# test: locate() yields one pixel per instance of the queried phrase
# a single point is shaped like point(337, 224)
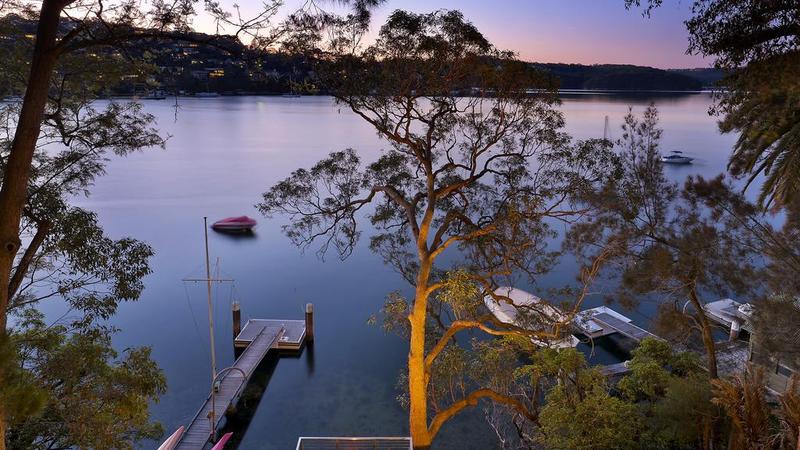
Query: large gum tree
point(476, 167)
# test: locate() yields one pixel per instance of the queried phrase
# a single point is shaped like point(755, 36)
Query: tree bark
point(13, 192)
point(417, 373)
point(708, 337)
point(472, 400)
point(17, 173)
point(27, 258)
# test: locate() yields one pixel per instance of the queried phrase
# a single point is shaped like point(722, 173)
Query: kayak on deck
point(222, 441)
point(172, 441)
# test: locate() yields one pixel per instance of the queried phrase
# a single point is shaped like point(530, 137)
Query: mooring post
point(309, 322)
point(237, 318)
point(736, 327)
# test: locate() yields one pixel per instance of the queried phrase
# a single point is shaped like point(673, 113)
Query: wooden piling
point(309, 322)
point(736, 327)
point(237, 318)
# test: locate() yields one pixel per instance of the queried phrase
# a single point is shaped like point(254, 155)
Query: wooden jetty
point(624, 328)
point(257, 338)
point(615, 370)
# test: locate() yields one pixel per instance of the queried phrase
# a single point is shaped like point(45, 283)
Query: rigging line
point(194, 272)
point(220, 273)
point(196, 326)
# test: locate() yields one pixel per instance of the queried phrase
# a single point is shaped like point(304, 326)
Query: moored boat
point(676, 158)
point(544, 316)
point(240, 223)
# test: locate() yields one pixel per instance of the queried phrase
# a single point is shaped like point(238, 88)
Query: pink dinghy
point(223, 440)
point(241, 223)
point(173, 440)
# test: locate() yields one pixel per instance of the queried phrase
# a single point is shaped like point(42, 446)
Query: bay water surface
point(221, 155)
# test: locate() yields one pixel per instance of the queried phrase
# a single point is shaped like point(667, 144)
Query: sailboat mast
point(211, 335)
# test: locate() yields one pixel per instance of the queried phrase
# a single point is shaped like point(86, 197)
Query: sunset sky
point(568, 31)
point(574, 31)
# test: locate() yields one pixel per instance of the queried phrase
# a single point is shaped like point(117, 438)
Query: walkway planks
point(628, 329)
point(232, 383)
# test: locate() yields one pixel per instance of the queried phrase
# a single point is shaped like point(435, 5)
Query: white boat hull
point(507, 313)
point(173, 440)
point(677, 161)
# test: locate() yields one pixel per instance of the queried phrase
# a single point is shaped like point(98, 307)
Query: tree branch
point(472, 400)
point(42, 231)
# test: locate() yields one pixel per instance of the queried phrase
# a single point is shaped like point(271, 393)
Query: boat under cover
point(240, 223)
point(509, 313)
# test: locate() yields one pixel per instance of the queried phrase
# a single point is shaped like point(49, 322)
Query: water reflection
point(242, 147)
point(239, 420)
point(309, 351)
point(237, 235)
point(630, 97)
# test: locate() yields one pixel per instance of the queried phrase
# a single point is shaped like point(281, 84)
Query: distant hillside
point(190, 68)
point(620, 77)
point(709, 77)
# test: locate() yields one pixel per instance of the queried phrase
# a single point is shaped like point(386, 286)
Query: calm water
point(223, 152)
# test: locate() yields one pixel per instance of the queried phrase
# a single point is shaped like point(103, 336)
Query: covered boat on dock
point(530, 312)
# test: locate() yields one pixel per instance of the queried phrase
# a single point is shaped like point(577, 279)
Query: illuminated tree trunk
point(417, 385)
point(417, 376)
point(17, 171)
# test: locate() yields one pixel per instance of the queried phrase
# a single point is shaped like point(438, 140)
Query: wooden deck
point(291, 339)
point(232, 383)
point(627, 329)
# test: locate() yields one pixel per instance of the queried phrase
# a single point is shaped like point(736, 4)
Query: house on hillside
point(737, 317)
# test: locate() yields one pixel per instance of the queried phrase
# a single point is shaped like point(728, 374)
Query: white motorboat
point(533, 305)
point(676, 157)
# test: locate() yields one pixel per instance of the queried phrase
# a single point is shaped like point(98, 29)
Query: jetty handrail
point(247, 375)
point(267, 337)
